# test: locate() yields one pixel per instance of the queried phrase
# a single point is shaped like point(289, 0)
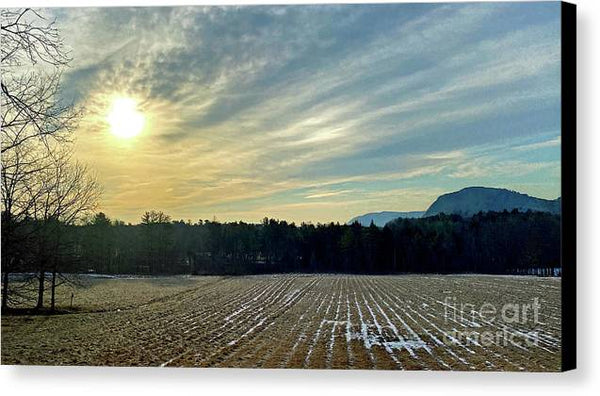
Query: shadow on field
point(41, 312)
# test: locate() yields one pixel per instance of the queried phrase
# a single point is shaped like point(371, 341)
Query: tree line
point(493, 243)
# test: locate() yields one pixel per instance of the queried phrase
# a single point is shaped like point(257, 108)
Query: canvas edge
point(568, 186)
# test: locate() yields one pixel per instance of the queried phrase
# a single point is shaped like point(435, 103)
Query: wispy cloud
point(258, 108)
point(539, 145)
point(328, 194)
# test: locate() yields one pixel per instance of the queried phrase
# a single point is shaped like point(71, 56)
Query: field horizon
point(294, 321)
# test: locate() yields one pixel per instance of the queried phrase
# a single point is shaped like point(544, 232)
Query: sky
point(315, 113)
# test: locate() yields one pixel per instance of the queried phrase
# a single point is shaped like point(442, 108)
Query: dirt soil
point(298, 321)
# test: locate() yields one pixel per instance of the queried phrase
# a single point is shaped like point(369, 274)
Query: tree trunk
point(4, 290)
point(52, 304)
point(41, 280)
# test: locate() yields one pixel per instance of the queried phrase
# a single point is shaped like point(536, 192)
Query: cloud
point(487, 167)
point(535, 146)
point(327, 194)
point(249, 106)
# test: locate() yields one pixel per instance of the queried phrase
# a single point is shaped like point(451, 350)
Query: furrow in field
point(276, 338)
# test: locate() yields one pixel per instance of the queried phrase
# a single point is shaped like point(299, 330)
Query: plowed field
point(299, 321)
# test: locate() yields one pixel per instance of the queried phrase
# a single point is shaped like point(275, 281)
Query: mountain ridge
point(472, 200)
point(380, 219)
point(467, 202)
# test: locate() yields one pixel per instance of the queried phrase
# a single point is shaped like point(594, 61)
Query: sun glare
point(125, 120)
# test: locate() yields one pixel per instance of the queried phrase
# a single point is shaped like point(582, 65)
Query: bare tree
point(38, 183)
point(28, 37)
point(31, 108)
point(66, 194)
point(21, 167)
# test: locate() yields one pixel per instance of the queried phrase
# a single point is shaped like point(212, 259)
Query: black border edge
point(568, 185)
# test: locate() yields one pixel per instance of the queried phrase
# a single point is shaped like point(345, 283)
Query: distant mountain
point(472, 200)
point(380, 219)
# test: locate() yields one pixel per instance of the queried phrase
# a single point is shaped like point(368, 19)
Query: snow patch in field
point(371, 338)
point(406, 344)
point(335, 322)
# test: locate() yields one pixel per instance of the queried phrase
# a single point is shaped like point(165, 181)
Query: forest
point(495, 243)
point(489, 243)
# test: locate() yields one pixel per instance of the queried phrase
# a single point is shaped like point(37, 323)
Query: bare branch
point(27, 37)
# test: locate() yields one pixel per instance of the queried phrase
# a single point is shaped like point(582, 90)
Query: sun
point(124, 118)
